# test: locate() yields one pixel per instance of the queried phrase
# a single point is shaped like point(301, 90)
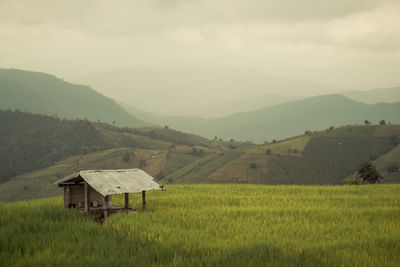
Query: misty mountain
point(197, 91)
point(386, 95)
point(289, 119)
point(46, 94)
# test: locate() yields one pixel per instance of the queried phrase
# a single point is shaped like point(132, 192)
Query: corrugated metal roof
point(108, 182)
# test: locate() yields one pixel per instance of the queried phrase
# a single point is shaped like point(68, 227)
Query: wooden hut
point(92, 190)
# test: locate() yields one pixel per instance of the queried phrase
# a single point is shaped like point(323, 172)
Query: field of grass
point(213, 225)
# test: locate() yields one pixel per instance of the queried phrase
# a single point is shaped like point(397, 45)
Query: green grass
point(213, 225)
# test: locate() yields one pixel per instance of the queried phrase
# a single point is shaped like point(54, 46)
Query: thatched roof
point(109, 182)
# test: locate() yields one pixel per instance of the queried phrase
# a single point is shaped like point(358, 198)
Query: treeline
point(29, 142)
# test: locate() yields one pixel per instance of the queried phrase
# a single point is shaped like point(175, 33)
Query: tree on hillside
point(126, 157)
point(382, 122)
point(367, 122)
point(368, 173)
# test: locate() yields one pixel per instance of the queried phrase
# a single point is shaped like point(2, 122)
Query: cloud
point(310, 39)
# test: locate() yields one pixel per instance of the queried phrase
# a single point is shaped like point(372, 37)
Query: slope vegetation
point(36, 150)
point(325, 157)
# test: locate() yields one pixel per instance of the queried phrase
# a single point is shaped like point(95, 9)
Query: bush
point(253, 165)
point(354, 181)
point(126, 157)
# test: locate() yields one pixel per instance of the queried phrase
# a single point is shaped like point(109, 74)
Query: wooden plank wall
point(77, 196)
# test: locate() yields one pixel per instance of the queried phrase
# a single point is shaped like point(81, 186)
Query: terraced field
point(213, 225)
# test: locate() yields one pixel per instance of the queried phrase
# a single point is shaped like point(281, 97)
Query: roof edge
point(72, 176)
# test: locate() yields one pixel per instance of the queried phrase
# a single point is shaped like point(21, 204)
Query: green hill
point(289, 119)
point(42, 149)
point(46, 94)
point(325, 157)
point(36, 150)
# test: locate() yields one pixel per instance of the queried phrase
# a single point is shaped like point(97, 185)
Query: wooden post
point(144, 199)
point(68, 197)
point(87, 188)
point(109, 201)
point(126, 201)
point(105, 207)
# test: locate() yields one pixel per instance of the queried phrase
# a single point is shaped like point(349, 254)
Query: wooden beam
point(87, 204)
point(144, 199)
point(126, 201)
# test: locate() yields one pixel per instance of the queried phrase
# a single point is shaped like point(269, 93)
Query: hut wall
point(76, 197)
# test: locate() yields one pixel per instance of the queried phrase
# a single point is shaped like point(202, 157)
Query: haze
point(149, 52)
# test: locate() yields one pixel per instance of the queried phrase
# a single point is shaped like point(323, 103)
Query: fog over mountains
point(200, 91)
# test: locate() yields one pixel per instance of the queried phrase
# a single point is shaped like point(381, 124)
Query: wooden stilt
point(126, 201)
point(87, 204)
point(105, 207)
point(67, 196)
point(144, 199)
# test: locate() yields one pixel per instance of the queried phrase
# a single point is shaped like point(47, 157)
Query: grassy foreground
point(217, 225)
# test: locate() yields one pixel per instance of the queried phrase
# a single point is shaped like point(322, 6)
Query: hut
point(92, 190)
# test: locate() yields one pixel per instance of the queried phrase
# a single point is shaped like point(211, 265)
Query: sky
point(351, 44)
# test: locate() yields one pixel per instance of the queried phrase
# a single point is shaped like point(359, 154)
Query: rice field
point(213, 225)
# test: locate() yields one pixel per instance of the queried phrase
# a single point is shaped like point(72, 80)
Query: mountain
point(46, 94)
point(325, 157)
point(289, 119)
point(386, 95)
point(228, 107)
point(177, 91)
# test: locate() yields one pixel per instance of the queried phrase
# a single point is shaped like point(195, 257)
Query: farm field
point(213, 225)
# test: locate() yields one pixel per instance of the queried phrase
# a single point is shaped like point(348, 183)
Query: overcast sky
point(346, 43)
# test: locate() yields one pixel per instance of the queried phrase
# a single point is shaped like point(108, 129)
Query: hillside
point(36, 150)
point(373, 96)
point(289, 119)
point(326, 157)
point(212, 225)
point(46, 94)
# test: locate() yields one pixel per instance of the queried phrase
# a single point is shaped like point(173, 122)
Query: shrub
point(354, 181)
point(368, 173)
point(126, 157)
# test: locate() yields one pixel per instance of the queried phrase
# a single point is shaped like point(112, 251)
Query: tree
point(368, 173)
point(126, 157)
point(367, 122)
point(382, 122)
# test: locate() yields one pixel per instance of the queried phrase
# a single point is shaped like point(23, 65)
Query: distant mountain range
point(205, 92)
point(288, 119)
point(271, 116)
point(380, 95)
point(46, 94)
